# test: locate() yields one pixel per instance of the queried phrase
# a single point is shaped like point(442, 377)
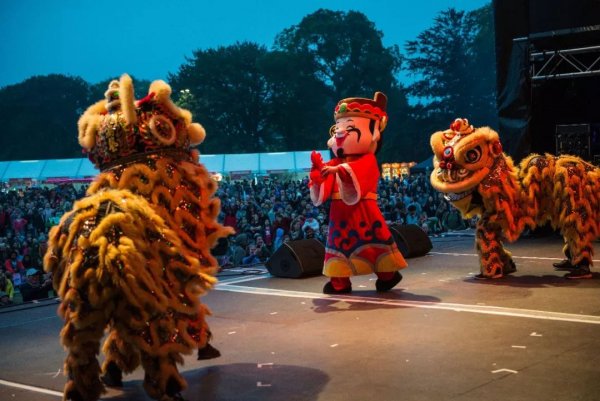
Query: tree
point(228, 91)
point(338, 55)
point(39, 117)
point(454, 69)
point(453, 66)
point(346, 51)
point(298, 112)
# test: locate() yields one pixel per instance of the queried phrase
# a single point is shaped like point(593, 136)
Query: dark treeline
point(256, 99)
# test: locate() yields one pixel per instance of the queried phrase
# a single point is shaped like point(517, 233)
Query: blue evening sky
point(97, 40)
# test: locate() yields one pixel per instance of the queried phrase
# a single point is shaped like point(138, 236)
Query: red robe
point(359, 240)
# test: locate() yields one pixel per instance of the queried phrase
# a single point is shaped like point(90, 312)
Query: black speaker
point(411, 240)
point(296, 259)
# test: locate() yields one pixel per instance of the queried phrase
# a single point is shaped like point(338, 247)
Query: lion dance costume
point(480, 180)
point(359, 240)
point(133, 256)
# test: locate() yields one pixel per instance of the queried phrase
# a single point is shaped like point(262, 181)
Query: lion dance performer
point(480, 180)
point(133, 256)
point(359, 241)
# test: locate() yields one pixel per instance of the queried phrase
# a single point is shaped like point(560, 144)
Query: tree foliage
point(346, 51)
point(226, 94)
point(452, 66)
point(39, 117)
point(454, 69)
point(339, 54)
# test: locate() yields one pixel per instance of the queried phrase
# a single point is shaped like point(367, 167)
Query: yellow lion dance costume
point(480, 180)
point(134, 256)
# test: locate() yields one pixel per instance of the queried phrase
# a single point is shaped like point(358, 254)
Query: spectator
point(310, 223)
point(454, 220)
point(36, 285)
point(278, 239)
point(4, 299)
point(238, 251)
point(13, 264)
point(296, 232)
point(412, 217)
point(267, 232)
point(252, 255)
point(263, 251)
point(6, 287)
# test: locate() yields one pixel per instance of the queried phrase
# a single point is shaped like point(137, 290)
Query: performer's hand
point(317, 160)
point(315, 177)
point(327, 170)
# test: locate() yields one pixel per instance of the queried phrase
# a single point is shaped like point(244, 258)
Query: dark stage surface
point(440, 335)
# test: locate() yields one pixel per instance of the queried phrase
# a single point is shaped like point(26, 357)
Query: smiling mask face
point(352, 136)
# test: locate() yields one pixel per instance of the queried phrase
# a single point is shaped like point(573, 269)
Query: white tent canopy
point(242, 163)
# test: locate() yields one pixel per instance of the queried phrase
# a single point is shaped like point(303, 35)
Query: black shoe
point(511, 268)
point(564, 264)
point(113, 377)
point(328, 289)
point(386, 285)
point(579, 272)
point(173, 389)
point(73, 395)
point(208, 352)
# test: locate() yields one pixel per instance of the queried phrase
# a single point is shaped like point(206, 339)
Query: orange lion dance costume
point(480, 180)
point(134, 256)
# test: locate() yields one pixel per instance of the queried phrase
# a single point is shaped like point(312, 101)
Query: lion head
point(463, 157)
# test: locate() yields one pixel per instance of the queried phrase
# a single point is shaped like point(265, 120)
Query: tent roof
point(426, 164)
point(253, 163)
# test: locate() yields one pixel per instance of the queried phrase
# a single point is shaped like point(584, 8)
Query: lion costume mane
point(134, 255)
point(480, 180)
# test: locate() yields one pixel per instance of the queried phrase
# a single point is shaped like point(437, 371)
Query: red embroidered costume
point(359, 241)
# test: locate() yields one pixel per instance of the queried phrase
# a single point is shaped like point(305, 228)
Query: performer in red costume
point(359, 241)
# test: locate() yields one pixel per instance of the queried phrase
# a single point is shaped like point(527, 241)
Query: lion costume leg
point(81, 335)
point(162, 380)
point(494, 260)
point(121, 357)
point(580, 252)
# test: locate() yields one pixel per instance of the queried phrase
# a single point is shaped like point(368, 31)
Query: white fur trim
point(317, 198)
point(196, 133)
point(127, 99)
point(88, 124)
point(162, 95)
point(350, 194)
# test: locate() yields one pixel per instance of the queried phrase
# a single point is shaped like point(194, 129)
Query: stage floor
point(441, 335)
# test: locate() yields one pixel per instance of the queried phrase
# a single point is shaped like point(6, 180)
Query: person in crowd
point(296, 232)
point(252, 255)
point(6, 286)
point(267, 232)
point(412, 217)
point(263, 250)
point(238, 249)
point(36, 285)
point(278, 241)
point(454, 220)
point(13, 264)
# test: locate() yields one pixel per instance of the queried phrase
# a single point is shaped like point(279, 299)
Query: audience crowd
point(26, 215)
point(268, 212)
point(264, 212)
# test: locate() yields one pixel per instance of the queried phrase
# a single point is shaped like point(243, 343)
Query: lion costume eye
point(473, 155)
